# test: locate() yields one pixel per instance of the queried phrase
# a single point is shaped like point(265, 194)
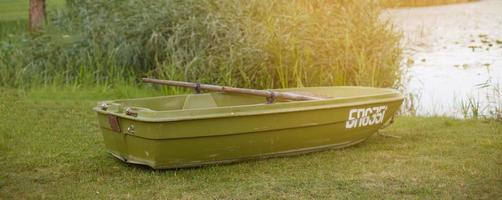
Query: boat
point(192, 130)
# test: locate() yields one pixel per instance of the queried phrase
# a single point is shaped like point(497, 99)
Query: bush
point(246, 43)
point(418, 3)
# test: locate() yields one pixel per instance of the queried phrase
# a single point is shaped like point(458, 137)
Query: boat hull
point(240, 135)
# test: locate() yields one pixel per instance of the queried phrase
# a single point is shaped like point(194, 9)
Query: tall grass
point(470, 108)
point(9, 29)
point(13, 10)
point(487, 108)
point(495, 102)
point(418, 3)
point(246, 43)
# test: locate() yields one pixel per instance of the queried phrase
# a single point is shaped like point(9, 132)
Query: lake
point(452, 54)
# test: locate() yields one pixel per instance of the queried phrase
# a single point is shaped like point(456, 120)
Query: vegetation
point(14, 16)
point(417, 3)
point(13, 10)
point(486, 108)
point(259, 44)
point(50, 147)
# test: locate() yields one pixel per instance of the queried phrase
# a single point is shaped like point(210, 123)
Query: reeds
point(245, 43)
point(418, 3)
point(487, 108)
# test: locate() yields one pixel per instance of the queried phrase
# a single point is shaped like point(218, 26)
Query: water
point(452, 53)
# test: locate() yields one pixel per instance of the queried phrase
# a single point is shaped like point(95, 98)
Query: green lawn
point(50, 147)
point(14, 16)
point(18, 9)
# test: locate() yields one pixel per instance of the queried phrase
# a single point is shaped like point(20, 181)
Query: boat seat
point(199, 101)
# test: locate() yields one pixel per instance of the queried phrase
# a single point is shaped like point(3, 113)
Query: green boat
point(199, 129)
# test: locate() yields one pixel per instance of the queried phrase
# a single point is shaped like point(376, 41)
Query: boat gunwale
point(245, 113)
point(227, 110)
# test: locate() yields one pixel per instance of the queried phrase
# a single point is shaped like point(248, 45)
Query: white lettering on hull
point(361, 117)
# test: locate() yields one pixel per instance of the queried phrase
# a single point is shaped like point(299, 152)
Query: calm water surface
point(452, 53)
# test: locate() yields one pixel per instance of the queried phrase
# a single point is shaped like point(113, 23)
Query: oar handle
point(264, 93)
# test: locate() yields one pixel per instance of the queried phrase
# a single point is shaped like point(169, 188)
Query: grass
point(470, 108)
point(419, 3)
point(488, 107)
point(14, 19)
point(258, 44)
point(50, 147)
point(13, 10)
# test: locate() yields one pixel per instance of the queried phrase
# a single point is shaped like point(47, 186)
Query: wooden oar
point(271, 95)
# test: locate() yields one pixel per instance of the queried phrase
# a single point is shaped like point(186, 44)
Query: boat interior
point(214, 100)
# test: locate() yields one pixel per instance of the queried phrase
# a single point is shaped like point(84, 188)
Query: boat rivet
point(104, 106)
point(271, 98)
point(131, 129)
point(131, 112)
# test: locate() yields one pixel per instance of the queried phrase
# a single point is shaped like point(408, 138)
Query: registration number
point(361, 117)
